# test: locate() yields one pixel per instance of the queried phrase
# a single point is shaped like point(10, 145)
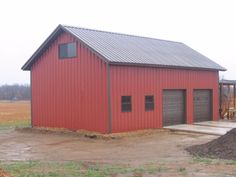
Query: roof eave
point(165, 66)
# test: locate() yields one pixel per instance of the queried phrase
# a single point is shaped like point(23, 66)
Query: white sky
point(208, 26)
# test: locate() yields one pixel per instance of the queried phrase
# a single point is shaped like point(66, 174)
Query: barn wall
point(140, 81)
point(70, 93)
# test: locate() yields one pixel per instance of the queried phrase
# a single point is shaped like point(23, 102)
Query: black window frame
point(126, 104)
point(68, 51)
point(149, 102)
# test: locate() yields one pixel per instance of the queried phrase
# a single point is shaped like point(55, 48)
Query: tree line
point(14, 92)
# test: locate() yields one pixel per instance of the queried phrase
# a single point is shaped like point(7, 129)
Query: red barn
point(109, 82)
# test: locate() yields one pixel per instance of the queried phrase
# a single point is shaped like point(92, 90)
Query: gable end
point(54, 35)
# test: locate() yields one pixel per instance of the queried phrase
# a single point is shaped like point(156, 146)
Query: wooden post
point(234, 95)
point(228, 101)
point(221, 109)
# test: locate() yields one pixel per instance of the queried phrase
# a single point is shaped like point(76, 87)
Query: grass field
point(76, 169)
point(88, 169)
point(14, 114)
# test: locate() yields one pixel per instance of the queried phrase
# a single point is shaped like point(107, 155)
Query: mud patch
point(90, 134)
point(4, 174)
point(223, 147)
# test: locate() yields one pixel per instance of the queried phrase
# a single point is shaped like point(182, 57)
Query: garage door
point(173, 107)
point(202, 105)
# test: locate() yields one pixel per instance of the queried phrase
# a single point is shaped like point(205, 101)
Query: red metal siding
point(70, 93)
point(73, 93)
point(140, 81)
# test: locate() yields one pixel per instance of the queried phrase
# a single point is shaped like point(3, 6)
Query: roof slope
point(135, 50)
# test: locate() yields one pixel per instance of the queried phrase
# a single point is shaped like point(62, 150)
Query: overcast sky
point(208, 26)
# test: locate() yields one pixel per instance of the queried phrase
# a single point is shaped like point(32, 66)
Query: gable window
point(126, 104)
point(68, 50)
point(149, 103)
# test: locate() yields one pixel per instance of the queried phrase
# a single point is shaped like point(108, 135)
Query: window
point(68, 50)
point(149, 103)
point(126, 104)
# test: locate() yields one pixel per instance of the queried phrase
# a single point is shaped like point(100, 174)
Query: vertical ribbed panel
point(73, 93)
point(70, 93)
point(140, 81)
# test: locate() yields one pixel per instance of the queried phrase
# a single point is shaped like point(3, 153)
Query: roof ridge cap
point(121, 34)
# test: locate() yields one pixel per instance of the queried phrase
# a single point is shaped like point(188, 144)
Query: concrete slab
point(223, 124)
point(211, 130)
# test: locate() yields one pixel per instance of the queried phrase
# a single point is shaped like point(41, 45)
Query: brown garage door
point(202, 105)
point(173, 107)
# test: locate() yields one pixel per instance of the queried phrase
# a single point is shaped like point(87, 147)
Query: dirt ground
point(223, 147)
point(160, 147)
point(157, 148)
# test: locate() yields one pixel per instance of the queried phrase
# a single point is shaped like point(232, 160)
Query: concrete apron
point(209, 127)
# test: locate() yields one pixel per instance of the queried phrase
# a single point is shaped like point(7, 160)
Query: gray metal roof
point(128, 49)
